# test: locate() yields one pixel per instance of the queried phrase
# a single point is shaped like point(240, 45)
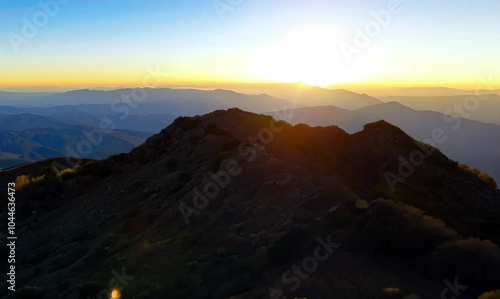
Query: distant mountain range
point(474, 143)
point(189, 101)
point(484, 108)
point(468, 141)
point(92, 115)
point(27, 138)
point(174, 101)
point(156, 108)
point(305, 95)
point(381, 92)
point(258, 99)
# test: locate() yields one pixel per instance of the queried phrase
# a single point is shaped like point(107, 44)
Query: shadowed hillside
point(225, 204)
point(472, 142)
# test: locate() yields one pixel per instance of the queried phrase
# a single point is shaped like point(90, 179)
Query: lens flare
point(116, 294)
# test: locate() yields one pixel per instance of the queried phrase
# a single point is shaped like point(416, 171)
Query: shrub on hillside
point(476, 262)
point(490, 295)
point(24, 180)
point(481, 175)
point(400, 231)
point(488, 179)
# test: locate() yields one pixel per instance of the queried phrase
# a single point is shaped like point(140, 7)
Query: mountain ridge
point(459, 133)
point(302, 184)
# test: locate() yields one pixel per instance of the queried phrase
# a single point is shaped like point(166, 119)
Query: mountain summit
point(227, 204)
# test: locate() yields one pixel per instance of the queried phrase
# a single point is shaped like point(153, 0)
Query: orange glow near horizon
point(428, 46)
point(225, 84)
point(134, 80)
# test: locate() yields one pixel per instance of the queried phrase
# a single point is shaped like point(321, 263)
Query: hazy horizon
point(253, 88)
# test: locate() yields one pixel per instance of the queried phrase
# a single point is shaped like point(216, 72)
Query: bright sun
point(307, 55)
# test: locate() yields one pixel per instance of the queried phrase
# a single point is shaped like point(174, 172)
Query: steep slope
point(225, 204)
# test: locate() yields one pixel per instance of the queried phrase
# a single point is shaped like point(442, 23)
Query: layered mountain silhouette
point(481, 107)
point(152, 100)
point(190, 102)
point(139, 110)
point(473, 143)
point(383, 92)
point(305, 95)
point(92, 115)
point(229, 204)
point(27, 138)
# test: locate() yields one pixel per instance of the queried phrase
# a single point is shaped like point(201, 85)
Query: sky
point(89, 43)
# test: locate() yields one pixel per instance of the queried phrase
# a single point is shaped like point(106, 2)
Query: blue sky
point(112, 42)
